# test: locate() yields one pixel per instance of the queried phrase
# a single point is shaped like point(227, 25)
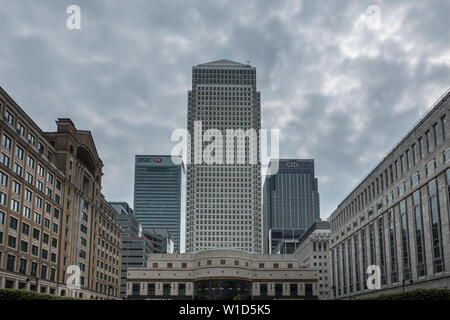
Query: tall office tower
point(223, 195)
point(158, 194)
point(290, 204)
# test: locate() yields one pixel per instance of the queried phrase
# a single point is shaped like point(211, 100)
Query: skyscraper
point(158, 194)
point(291, 204)
point(223, 196)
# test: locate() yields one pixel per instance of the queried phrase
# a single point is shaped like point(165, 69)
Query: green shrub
point(417, 294)
point(20, 294)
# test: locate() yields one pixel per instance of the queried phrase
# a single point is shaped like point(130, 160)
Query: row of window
point(433, 137)
point(21, 266)
point(22, 131)
point(363, 245)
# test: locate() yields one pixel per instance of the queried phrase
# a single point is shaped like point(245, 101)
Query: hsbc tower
point(158, 194)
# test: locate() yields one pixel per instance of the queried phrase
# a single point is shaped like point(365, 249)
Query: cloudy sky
point(341, 87)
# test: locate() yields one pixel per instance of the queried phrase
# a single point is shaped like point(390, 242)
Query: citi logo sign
point(151, 160)
point(292, 164)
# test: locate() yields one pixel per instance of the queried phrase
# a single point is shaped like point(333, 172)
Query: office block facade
point(313, 252)
point(135, 246)
point(223, 207)
point(290, 203)
point(161, 238)
point(397, 218)
point(52, 212)
point(158, 193)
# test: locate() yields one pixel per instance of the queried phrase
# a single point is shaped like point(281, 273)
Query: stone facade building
point(52, 212)
point(313, 252)
point(397, 218)
point(221, 275)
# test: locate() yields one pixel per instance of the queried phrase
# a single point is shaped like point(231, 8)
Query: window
point(446, 156)
point(47, 223)
point(421, 147)
point(31, 138)
point(37, 218)
point(444, 127)
point(26, 212)
point(3, 179)
point(10, 262)
point(2, 217)
point(28, 195)
point(41, 170)
point(12, 242)
point(431, 167)
point(405, 240)
point(5, 160)
point(34, 269)
point(38, 202)
point(436, 234)
point(436, 135)
point(15, 205)
point(428, 137)
point(23, 266)
point(21, 129)
point(24, 246)
point(415, 179)
point(13, 223)
point(414, 152)
point(25, 228)
point(419, 234)
point(401, 189)
point(2, 199)
point(18, 169)
point(19, 153)
point(16, 187)
point(36, 234)
point(30, 178)
point(30, 162)
point(6, 142)
point(408, 159)
point(9, 118)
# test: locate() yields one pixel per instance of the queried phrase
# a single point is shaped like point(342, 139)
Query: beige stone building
point(313, 252)
point(52, 212)
point(221, 275)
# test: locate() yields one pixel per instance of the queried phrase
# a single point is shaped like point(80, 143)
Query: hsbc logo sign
point(150, 160)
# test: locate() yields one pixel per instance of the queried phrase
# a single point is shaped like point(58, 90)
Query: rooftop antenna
point(248, 62)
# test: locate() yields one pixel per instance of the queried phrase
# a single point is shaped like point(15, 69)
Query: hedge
point(20, 294)
point(417, 294)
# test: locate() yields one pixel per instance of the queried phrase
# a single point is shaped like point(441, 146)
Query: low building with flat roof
point(222, 275)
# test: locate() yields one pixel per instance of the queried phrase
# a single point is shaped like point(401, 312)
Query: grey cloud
point(339, 93)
